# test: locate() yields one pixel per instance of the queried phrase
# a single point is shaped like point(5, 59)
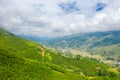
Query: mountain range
point(104, 44)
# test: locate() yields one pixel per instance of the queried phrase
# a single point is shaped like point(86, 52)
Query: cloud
point(59, 17)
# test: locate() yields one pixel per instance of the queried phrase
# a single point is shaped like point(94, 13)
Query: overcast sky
point(59, 17)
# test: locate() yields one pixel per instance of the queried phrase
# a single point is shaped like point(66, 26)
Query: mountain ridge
point(112, 35)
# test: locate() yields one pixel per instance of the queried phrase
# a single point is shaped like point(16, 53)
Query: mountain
point(106, 44)
point(89, 40)
point(36, 39)
point(22, 59)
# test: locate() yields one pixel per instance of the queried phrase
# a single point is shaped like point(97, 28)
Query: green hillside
point(21, 59)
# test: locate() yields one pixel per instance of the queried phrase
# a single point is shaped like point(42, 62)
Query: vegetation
point(21, 59)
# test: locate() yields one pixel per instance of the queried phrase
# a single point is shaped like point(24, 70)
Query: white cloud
point(47, 18)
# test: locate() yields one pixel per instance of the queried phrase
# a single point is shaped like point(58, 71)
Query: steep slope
point(22, 59)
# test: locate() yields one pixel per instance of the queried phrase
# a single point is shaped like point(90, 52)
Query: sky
point(55, 18)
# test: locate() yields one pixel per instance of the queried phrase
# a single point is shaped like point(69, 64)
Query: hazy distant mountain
point(88, 40)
